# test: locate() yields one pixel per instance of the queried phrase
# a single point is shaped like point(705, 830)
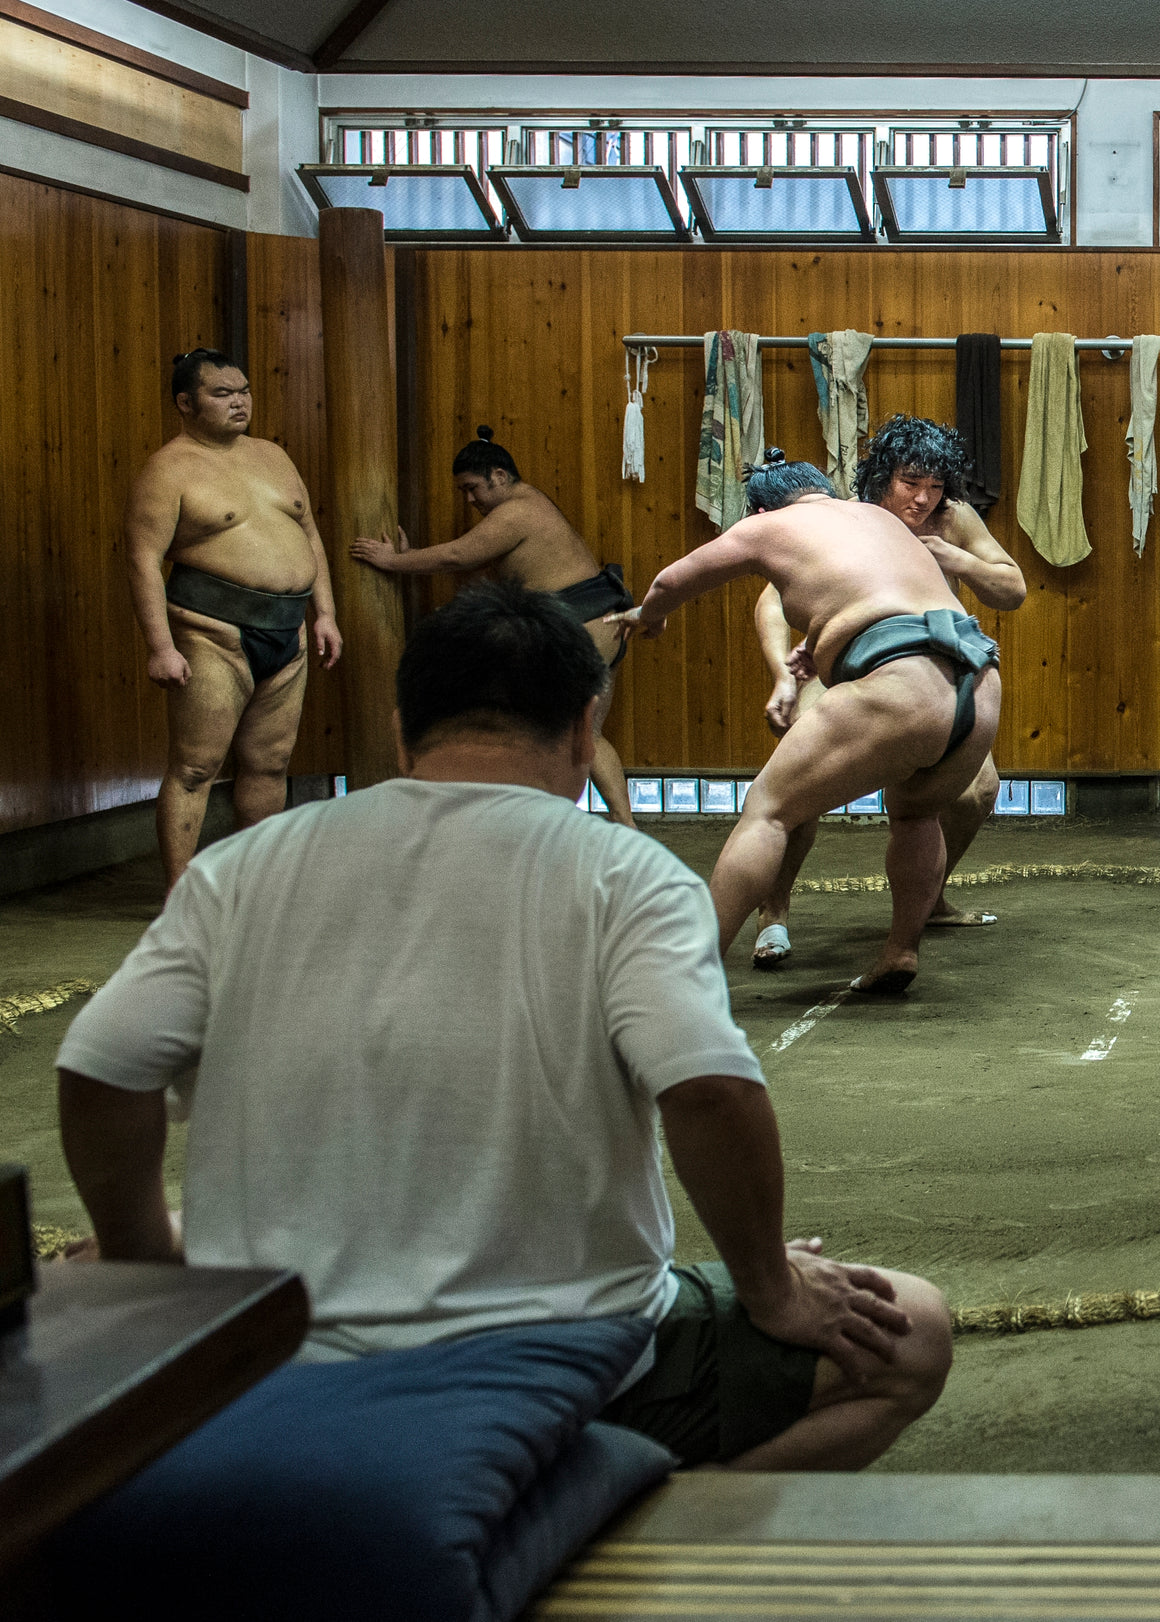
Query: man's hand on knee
point(843, 1311)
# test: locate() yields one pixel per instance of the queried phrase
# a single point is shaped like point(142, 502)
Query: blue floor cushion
point(441, 1484)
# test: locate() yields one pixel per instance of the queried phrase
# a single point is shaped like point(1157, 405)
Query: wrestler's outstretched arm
point(492, 538)
point(151, 517)
point(735, 553)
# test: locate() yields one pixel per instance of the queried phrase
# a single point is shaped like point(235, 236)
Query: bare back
point(840, 566)
point(547, 553)
point(236, 512)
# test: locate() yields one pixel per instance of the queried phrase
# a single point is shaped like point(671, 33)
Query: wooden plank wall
point(285, 325)
point(529, 341)
point(95, 299)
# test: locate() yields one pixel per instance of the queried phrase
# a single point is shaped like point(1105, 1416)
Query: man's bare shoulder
point(182, 456)
point(960, 525)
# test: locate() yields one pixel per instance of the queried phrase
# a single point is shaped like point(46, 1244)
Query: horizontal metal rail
point(644, 340)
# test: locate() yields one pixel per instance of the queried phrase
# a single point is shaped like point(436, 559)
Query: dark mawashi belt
point(220, 599)
point(942, 632)
point(603, 593)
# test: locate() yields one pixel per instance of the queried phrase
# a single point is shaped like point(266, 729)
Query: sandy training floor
point(995, 1129)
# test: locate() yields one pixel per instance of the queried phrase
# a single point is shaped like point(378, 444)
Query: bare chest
point(216, 500)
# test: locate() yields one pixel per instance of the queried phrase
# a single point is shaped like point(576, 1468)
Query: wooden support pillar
point(358, 344)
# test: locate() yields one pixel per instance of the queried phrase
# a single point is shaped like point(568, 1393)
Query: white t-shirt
point(432, 1020)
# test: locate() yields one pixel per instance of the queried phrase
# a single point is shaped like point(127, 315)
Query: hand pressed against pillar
point(225, 639)
point(522, 535)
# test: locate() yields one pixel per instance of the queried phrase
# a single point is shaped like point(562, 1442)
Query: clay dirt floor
point(959, 1132)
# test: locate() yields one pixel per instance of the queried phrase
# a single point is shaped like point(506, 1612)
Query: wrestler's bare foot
point(892, 973)
point(945, 917)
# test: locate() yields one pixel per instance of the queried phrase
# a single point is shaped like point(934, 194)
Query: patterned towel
point(732, 424)
point(839, 360)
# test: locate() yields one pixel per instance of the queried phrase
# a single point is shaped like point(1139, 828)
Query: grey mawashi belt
point(220, 599)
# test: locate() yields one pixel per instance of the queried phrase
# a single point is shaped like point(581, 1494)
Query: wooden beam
point(115, 50)
point(357, 20)
point(75, 130)
point(358, 360)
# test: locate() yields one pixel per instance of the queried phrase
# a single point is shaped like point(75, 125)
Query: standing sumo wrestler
point(226, 633)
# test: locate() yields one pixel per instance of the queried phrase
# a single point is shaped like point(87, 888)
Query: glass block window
point(682, 794)
point(1048, 798)
point(718, 797)
point(644, 795)
point(868, 805)
point(1013, 798)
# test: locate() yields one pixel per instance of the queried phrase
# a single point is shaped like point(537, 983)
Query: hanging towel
point(977, 414)
point(632, 454)
point(732, 424)
point(1050, 504)
point(839, 360)
point(1141, 437)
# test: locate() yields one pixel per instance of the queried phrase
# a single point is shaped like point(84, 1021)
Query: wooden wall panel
point(285, 322)
point(95, 298)
point(528, 340)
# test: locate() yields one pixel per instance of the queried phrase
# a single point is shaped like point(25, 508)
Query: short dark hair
point(187, 369)
point(778, 483)
point(498, 656)
point(484, 456)
point(913, 444)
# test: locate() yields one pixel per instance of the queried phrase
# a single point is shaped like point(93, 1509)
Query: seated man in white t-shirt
point(434, 1023)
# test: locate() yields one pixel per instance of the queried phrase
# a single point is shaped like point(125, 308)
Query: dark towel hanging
point(977, 414)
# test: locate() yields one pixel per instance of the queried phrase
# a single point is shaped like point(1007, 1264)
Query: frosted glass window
point(607, 204)
point(718, 796)
point(1009, 205)
point(797, 205)
point(418, 202)
point(595, 799)
point(644, 794)
point(1048, 799)
point(1013, 798)
point(868, 805)
point(681, 794)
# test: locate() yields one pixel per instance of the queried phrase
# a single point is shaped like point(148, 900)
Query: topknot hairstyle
point(187, 369)
point(778, 483)
point(913, 445)
point(484, 457)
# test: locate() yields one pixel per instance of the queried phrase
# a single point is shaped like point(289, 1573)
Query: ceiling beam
point(357, 20)
point(245, 39)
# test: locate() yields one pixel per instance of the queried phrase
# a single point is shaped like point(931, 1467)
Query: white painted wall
point(279, 131)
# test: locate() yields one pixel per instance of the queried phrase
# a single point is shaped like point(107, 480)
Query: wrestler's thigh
point(934, 788)
point(856, 738)
point(204, 714)
point(608, 641)
point(267, 731)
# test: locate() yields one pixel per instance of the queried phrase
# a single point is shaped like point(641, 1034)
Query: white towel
point(632, 452)
point(1141, 436)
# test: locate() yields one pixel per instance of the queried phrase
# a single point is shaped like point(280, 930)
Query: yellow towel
point(1050, 505)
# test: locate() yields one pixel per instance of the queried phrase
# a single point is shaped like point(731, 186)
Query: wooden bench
point(884, 1547)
